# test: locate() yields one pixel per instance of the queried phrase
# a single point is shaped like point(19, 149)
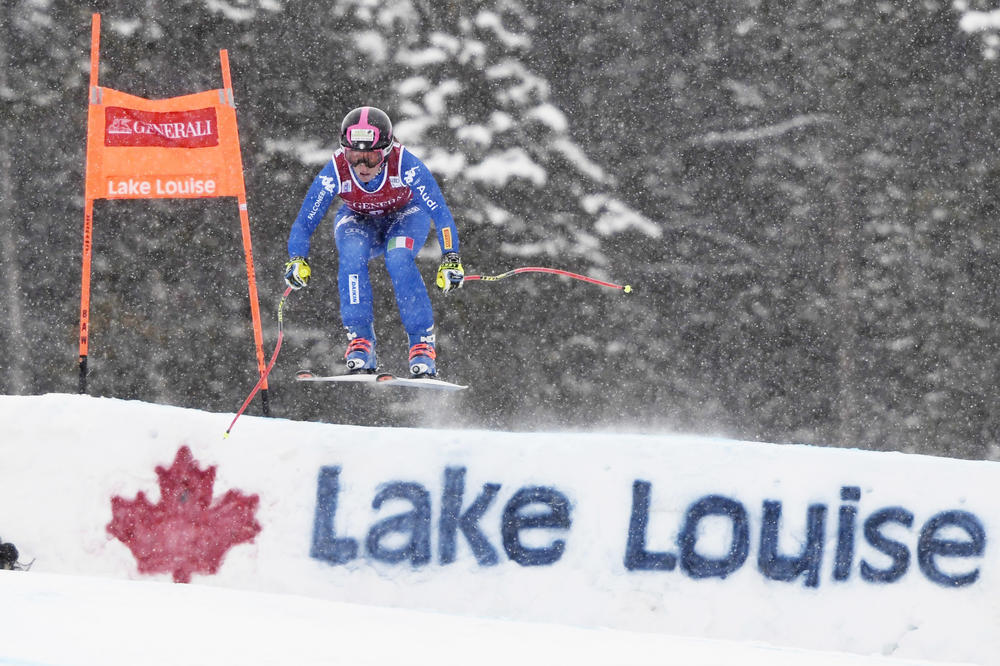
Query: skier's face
point(368, 158)
point(367, 163)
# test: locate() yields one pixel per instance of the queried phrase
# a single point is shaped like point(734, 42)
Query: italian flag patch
point(400, 242)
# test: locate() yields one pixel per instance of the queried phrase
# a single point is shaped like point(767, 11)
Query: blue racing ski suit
point(390, 215)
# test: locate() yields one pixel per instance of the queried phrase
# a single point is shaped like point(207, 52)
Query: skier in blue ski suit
point(389, 198)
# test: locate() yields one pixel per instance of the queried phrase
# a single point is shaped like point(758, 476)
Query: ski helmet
point(366, 128)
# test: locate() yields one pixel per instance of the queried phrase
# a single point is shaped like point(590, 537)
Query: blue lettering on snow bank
point(415, 523)
point(943, 544)
point(636, 555)
point(530, 508)
point(777, 565)
point(516, 519)
point(845, 533)
point(452, 519)
point(896, 551)
point(931, 545)
point(698, 566)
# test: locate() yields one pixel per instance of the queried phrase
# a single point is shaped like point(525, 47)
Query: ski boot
point(360, 354)
point(422, 355)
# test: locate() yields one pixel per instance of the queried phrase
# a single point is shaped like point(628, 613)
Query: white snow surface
point(58, 620)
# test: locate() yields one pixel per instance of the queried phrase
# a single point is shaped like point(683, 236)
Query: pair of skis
point(382, 379)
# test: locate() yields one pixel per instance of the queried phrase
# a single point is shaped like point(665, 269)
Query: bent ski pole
point(267, 371)
point(625, 288)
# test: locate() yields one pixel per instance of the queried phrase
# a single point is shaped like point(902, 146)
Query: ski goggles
point(370, 158)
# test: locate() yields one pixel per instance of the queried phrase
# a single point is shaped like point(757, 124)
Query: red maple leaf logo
point(183, 533)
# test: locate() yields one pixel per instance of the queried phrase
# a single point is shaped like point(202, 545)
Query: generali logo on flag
point(197, 128)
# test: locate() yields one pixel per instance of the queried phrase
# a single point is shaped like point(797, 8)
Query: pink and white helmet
point(366, 128)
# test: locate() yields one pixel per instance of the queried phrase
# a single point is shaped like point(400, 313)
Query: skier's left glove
point(450, 275)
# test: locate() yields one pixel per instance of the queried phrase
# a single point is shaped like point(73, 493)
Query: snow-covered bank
point(818, 549)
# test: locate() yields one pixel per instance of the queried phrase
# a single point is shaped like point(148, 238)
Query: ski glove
point(450, 275)
point(297, 272)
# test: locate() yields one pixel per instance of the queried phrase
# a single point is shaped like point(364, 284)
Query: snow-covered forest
point(803, 194)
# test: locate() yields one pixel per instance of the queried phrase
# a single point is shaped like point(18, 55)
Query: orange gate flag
point(167, 148)
point(182, 147)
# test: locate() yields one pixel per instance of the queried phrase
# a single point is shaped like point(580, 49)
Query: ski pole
point(625, 288)
point(274, 357)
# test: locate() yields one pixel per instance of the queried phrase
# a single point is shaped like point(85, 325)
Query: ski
point(382, 378)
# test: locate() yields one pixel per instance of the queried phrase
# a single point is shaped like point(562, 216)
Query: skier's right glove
point(297, 272)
